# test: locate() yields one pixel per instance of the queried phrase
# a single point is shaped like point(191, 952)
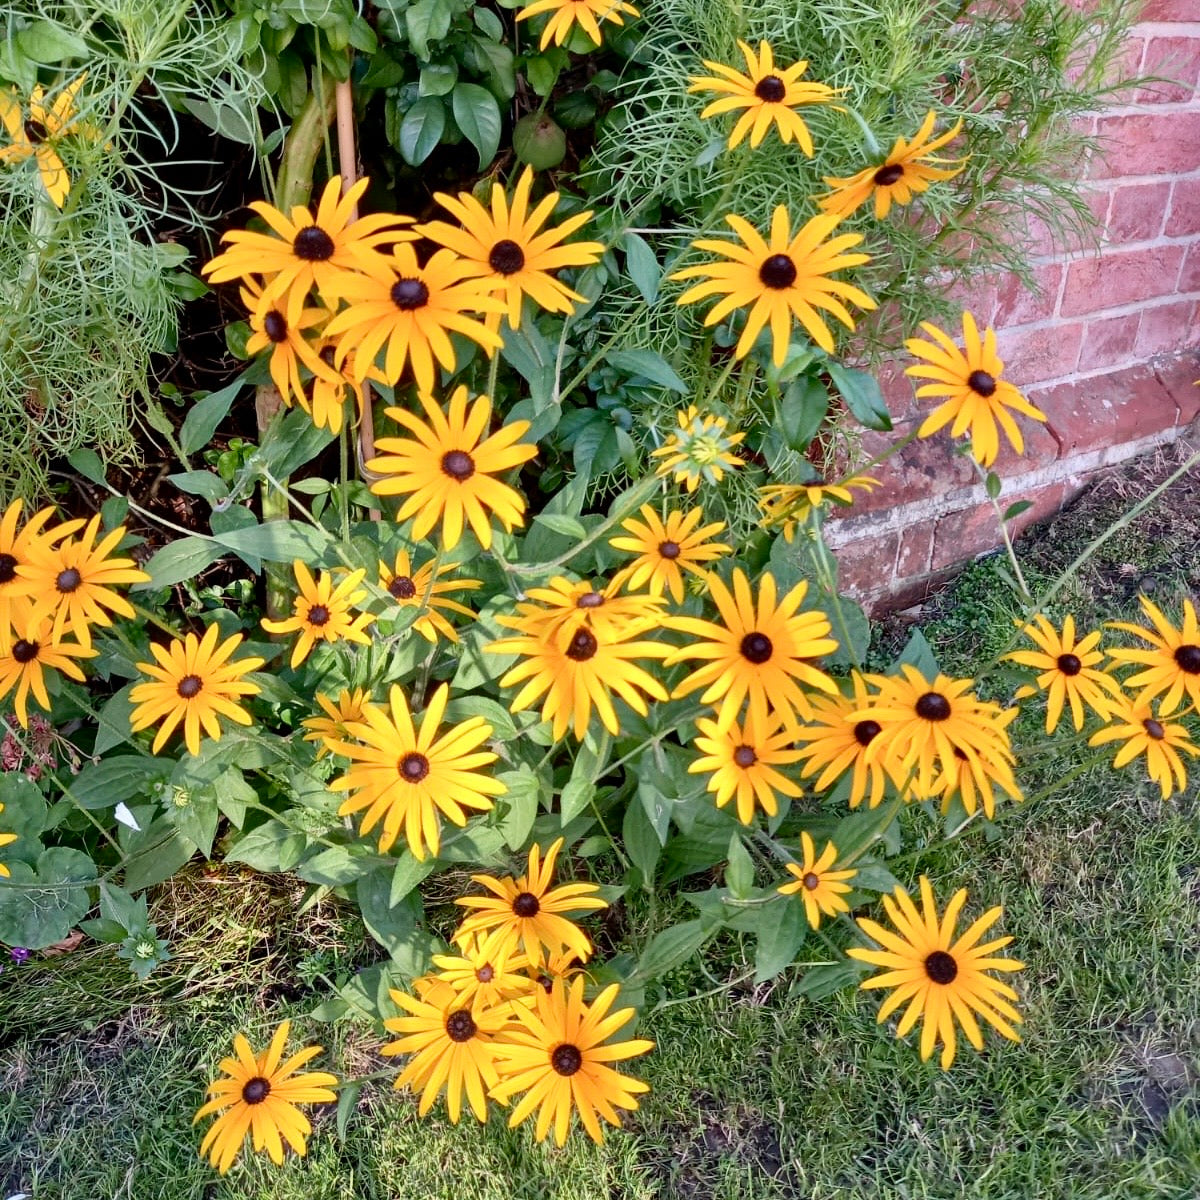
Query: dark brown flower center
point(745, 757)
point(256, 1090)
point(189, 686)
point(460, 1026)
point(1188, 658)
point(811, 881)
point(756, 648)
point(458, 464)
point(566, 1060)
point(865, 732)
point(546, 983)
point(981, 383)
point(941, 967)
point(1069, 664)
point(414, 767)
point(506, 258)
point(275, 326)
point(402, 587)
point(590, 600)
point(408, 294)
point(67, 581)
point(583, 646)
point(1154, 729)
point(888, 174)
point(770, 88)
point(669, 549)
point(933, 706)
point(313, 244)
point(486, 973)
point(526, 905)
point(24, 651)
point(8, 568)
point(318, 615)
point(778, 272)
point(36, 132)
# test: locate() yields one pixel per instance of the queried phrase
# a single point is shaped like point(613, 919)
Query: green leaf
point(205, 415)
point(488, 23)
point(671, 948)
point(276, 541)
point(781, 932)
point(106, 784)
point(862, 395)
point(739, 873)
point(421, 130)
point(391, 925)
point(495, 64)
point(47, 42)
point(857, 626)
point(346, 1104)
point(642, 266)
point(800, 410)
point(1016, 509)
point(438, 79)
point(918, 653)
point(649, 364)
point(200, 483)
point(88, 464)
point(197, 819)
point(828, 978)
point(179, 560)
point(118, 906)
point(40, 903)
point(153, 853)
point(570, 527)
point(478, 116)
point(541, 70)
point(409, 873)
point(270, 847)
point(113, 728)
point(426, 21)
point(336, 865)
point(522, 800)
point(992, 485)
point(581, 787)
point(642, 842)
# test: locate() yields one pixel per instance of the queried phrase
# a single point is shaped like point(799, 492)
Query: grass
point(756, 1096)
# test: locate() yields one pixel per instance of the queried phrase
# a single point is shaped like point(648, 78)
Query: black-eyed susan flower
point(584, 672)
point(482, 975)
point(72, 580)
point(33, 649)
point(1145, 732)
point(759, 651)
point(777, 280)
point(977, 398)
point(453, 1046)
point(1068, 672)
point(907, 171)
point(306, 251)
point(563, 964)
point(412, 311)
point(567, 14)
point(193, 680)
point(922, 723)
point(555, 612)
point(786, 506)
point(6, 839)
point(19, 544)
point(280, 329)
point(424, 589)
point(558, 1055)
point(832, 745)
point(943, 980)
point(820, 887)
point(447, 469)
point(334, 727)
point(701, 448)
point(769, 94)
point(526, 913)
point(321, 612)
point(508, 248)
point(742, 761)
point(666, 548)
point(976, 784)
point(38, 136)
point(1173, 666)
point(404, 777)
point(260, 1098)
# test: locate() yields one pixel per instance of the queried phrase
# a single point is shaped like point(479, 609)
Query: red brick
point(1168, 10)
point(1137, 212)
point(897, 389)
point(1178, 376)
point(1041, 241)
point(1184, 217)
point(1108, 410)
point(1039, 449)
point(963, 535)
point(1147, 144)
point(1016, 304)
point(865, 566)
point(1166, 327)
point(978, 296)
point(1176, 59)
point(916, 546)
point(1032, 354)
point(1109, 341)
point(1120, 277)
point(922, 469)
point(1189, 276)
point(1125, 66)
point(1046, 502)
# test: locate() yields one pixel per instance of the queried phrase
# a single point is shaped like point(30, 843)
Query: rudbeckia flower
point(820, 887)
point(19, 544)
point(281, 331)
point(1139, 727)
point(587, 14)
point(424, 589)
point(699, 449)
point(37, 135)
point(334, 726)
point(769, 94)
point(666, 548)
point(6, 839)
point(975, 784)
point(906, 172)
point(555, 612)
point(482, 974)
point(1173, 666)
point(977, 398)
point(786, 506)
point(785, 278)
point(322, 612)
point(34, 649)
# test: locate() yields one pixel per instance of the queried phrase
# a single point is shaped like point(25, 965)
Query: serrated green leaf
point(641, 842)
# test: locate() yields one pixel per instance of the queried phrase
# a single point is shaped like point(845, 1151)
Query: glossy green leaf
point(421, 130)
point(478, 116)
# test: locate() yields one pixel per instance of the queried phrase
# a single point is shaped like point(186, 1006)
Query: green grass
point(756, 1095)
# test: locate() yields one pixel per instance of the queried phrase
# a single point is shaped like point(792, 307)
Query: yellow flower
point(508, 248)
point(527, 912)
point(906, 172)
point(942, 979)
point(1135, 723)
point(758, 651)
point(742, 762)
point(482, 976)
point(261, 1095)
point(6, 839)
point(978, 398)
point(325, 250)
point(564, 606)
point(334, 726)
point(769, 95)
point(194, 681)
point(976, 783)
point(35, 648)
point(18, 547)
point(281, 329)
point(321, 612)
point(38, 135)
point(778, 280)
point(412, 309)
point(587, 14)
point(667, 548)
point(1173, 666)
point(788, 505)
point(700, 449)
point(1068, 672)
point(820, 887)
point(424, 590)
point(447, 467)
point(403, 777)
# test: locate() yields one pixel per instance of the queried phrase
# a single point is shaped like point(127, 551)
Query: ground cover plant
point(547, 638)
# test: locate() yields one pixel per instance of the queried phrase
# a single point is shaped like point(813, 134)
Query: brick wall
point(1105, 350)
